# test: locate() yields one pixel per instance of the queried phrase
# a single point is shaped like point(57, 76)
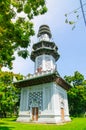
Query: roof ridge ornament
point(44, 29)
point(44, 33)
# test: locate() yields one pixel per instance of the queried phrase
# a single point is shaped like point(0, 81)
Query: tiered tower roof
point(44, 45)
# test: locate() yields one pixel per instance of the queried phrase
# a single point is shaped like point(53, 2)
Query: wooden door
point(62, 113)
point(35, 113)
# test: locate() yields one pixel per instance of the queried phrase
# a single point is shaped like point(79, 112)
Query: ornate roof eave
point(44, 50)
point(35, 45)
point(47, 78)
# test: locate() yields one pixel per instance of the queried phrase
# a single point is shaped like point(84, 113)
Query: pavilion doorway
point(62, 113)
point(34, 113)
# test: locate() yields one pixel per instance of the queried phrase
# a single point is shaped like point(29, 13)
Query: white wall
point(50, 102)
point(46, 62)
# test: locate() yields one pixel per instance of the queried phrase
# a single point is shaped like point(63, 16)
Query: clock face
point(44, 37)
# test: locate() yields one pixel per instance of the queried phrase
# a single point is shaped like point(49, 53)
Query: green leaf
point(66, 21)
point(77, 16)
point(75, 11)
point(27, 8)
point(71, 22)
point(23, 53)
point(65, 15)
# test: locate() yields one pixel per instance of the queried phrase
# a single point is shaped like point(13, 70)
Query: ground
point(11, 124)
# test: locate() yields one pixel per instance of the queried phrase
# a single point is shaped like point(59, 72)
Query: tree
point(9, 95)
point(15, 29)
point(77, 94)
point(78, 13)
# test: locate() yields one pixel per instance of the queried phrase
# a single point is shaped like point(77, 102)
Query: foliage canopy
point(16, 27)
point(77, 94)
point(9, 95)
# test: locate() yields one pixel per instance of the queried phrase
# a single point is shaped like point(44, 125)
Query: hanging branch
point(78, 17)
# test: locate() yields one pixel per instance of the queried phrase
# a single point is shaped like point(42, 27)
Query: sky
point(71, 43)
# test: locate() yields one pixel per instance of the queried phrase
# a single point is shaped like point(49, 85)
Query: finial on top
point(44, 29)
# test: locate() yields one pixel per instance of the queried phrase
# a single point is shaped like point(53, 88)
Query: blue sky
point(71, 43)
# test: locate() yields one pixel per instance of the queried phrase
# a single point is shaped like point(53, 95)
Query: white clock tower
point(44, 52)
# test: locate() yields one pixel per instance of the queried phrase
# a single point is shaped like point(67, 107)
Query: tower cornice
point(42, 79)
point(44, 50)
point(44, 47)
point(44, 43)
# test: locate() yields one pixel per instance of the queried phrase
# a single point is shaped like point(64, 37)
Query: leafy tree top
point(75, 80)
point(15, 34)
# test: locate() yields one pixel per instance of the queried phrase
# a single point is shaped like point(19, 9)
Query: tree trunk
point(4, 114)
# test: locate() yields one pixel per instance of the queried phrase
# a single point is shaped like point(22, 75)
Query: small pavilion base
point(45, 119)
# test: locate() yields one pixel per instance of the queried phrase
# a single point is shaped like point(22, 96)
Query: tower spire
point(44, 52)
point(44, 33)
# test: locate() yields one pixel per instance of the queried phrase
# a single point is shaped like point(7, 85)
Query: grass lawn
point(11, 124)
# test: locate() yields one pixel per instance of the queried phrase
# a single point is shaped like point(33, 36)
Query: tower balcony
point(44, 44)
point(46, 51)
